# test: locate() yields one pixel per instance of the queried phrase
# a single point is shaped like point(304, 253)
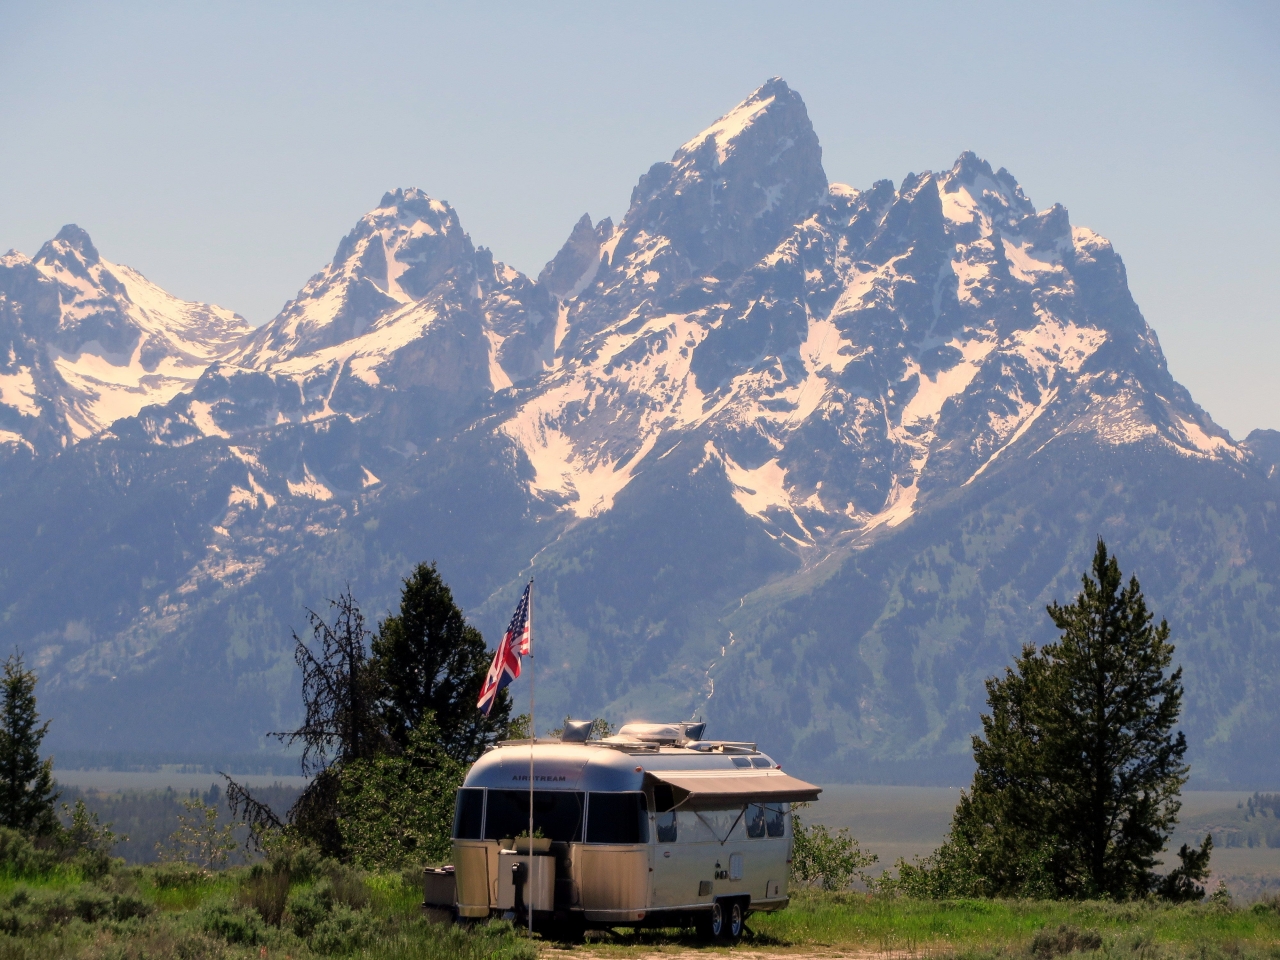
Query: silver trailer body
point(636, 830)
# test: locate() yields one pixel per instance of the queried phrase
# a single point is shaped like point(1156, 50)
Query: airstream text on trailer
point(652, 826)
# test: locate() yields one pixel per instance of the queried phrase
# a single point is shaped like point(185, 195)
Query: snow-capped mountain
point(853, 352)
point(406, 305)
point(91, 341)
point(804, 458)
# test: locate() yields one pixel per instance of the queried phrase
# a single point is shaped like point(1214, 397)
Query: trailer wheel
point(711, 924)
point(735, 921)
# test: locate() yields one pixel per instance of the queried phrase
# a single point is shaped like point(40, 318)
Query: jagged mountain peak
point(931, 326)
point(747, 119)
point(72, 240)
point(725, 200)
point(971, 190)
point(404, 245)
point(575, 264)
point(727, 194)
point(395, 255)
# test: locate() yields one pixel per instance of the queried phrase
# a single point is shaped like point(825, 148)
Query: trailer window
point(557, 813)
point(468, 814)
point(722, 824)
point(666, 823)
point(664, 798)
point(755, 821)
point(775, 820)
point(617, 818)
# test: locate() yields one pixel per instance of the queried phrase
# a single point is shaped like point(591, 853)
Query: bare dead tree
point(342, 721)
point(340, 691)
point(256, 815)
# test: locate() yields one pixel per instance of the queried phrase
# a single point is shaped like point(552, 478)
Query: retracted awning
point(771, 787)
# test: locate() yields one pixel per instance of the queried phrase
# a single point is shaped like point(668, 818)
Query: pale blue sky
point(223, 149)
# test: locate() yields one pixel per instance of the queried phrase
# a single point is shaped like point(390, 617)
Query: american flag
point(506, 659)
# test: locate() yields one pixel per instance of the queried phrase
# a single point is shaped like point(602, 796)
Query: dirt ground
point(741, 951)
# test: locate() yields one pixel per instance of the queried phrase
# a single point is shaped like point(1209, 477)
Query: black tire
point(735, 921)
point(572, 929)
point(711, 924)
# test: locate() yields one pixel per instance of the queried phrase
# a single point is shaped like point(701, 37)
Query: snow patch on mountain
point(9, 438)
point(729, 127)
point(19, 391)
point(1025, 267)
point(932, 392)
point(626, 362)
point(898, 508)
point(759, 489)
point(1209, 446)
point(309, 486)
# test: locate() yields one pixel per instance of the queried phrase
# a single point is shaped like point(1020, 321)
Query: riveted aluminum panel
point(539, 888)
point(471, 872)
point(613, 878)
point(557, 766)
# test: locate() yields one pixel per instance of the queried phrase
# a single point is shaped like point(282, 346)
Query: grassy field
point(906, 822)
point(163, 913)
point(827, 924)
point(159, 913)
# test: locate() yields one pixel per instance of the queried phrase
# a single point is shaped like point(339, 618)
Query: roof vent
point(661, 732)
point(576, 731)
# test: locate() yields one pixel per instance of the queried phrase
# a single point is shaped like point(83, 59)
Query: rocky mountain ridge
point(758, 399)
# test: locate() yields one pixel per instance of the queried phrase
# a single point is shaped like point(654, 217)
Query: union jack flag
point(506, 659)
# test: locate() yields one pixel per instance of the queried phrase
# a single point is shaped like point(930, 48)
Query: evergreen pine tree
point(1078, 765)
point(433, 663)
point(1112, 762)
point(27, 794)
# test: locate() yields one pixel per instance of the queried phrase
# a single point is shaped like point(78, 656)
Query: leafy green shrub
point(1047, 944)
point(199, 839)
point(149, 941)
point(832, 861)
point(305, 909)
point(86, 842)
point(300, 864)
point(232, 923)
point(1267, 903)
point(976, 861)
point(346, 887)
point(267, 892)
point(397, 810)
point(344, 931)
point(19, 859)
point(178, 876)
point(27, 911)
point(1221, 897)
point(127, 906)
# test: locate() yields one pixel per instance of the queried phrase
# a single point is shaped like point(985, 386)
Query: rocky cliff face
point(803, 458)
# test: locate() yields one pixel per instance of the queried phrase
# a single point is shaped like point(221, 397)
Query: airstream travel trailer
point(652, 826)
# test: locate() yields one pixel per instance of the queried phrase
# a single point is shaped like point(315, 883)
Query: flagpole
point(533, 738)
